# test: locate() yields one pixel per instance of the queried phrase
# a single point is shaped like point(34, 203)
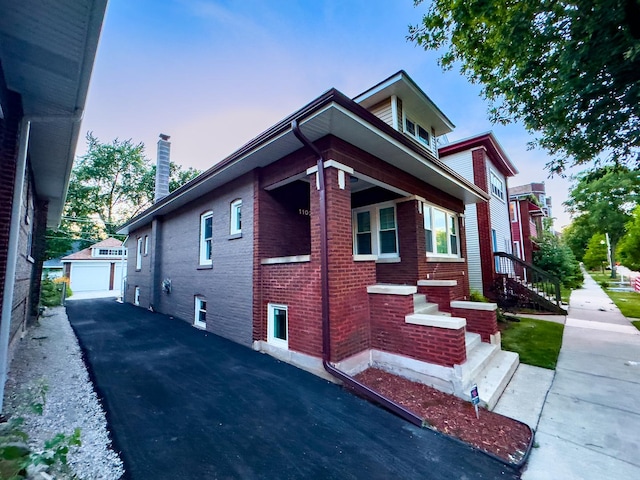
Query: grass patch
point(636, 323)
point(627, 302)
point(536, 341)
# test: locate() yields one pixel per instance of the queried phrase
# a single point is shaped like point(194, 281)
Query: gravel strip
point(49, 354)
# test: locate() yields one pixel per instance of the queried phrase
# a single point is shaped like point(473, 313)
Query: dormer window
point(417, 131)
point(108, 252)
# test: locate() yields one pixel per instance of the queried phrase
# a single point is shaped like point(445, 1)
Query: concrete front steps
point(487, 366)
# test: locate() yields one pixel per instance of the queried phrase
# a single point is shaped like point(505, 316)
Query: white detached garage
point(96, 268)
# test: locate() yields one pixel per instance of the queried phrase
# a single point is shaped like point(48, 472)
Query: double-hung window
point(497, 186)
point(236, 217)
point(206, 238)
point(139, 255)
point(441, 232)
point(375, 231)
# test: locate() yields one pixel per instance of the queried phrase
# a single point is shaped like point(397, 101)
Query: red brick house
point(528, 206)
point(481, 160)
point(333, 241)
point(46, 57)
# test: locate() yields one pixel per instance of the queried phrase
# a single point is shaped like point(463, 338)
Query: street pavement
point(182, 403)
point(590, 423)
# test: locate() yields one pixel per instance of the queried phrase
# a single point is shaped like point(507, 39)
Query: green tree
point(595, 255)
point(570, 71)
point(629, 249)
point(606, 196)
point(556, 258)
point(577, 234)
point(110, 184)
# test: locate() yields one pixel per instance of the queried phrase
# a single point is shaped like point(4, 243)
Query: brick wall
point(483, 322)
point(349, 303)
point(390, 333)
point(226, 285)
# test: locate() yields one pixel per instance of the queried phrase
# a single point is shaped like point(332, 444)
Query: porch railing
point(522, 285)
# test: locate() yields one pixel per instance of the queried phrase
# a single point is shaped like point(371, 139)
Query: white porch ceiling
point(47, 50)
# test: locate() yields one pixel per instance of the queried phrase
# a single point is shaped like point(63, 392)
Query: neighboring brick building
point(238, 250)
point(481, 160)
point(46, 58)
point(528, 206)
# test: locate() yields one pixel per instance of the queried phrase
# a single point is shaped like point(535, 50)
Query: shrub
point(557, 259)
point(476, 296)
point(51, 291)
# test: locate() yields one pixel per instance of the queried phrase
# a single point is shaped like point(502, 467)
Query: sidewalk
point(591, 418)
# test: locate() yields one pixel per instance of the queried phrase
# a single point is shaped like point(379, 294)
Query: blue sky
point(214, 74)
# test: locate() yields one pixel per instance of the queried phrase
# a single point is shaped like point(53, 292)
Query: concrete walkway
point(591, 417)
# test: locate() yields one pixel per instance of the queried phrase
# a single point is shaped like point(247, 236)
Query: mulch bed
point(502, 436)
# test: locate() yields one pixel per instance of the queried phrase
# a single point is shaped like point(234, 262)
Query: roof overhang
point(47, 51)
point(330, 114)
point(401, 85)
point(490, 143)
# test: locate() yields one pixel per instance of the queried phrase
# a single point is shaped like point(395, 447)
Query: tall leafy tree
point(577, 235)
point(110, 184)
point(569, 70)
point(630, 245)
point(607, 197)
point(595, 256)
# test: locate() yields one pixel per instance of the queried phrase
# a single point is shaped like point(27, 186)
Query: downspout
point(122, 269)
point(324, 280)
point(12, 256)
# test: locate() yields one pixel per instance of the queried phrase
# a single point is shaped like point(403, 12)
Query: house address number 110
point(304, 211)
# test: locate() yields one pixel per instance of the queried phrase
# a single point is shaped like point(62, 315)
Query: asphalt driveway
point(186, 404)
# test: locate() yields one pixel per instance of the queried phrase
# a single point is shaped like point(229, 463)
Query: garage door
point(90, 277)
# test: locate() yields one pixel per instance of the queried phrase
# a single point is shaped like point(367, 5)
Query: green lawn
point(627, 302)
point(536, 341)
point(636, 323)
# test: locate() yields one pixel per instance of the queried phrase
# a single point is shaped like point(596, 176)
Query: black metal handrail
point(536, 280)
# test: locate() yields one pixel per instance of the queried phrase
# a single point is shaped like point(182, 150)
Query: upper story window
point(441, 232)
point(206, 238)
point(417, 131)
point(513, 214)
point(146, 244)
point(497, 186)
point(375, 231)
point(139, 254)
point(236, 217)
point(109, 252)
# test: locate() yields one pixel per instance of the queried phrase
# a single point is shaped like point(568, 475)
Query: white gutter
point(12, 256)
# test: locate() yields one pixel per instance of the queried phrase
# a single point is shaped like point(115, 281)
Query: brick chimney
point(162, 168)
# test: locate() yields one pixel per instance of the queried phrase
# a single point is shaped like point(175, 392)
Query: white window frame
point(136, 295)
point(235, 226)
point(428, 142)
point(449, 215)
point(496, 185)
point(146, 245)
point(374, 212)
point(271, 338)
point(198, 303)
point(203, 241)
point(513, 213)
point(516, 249)
point(139, 254)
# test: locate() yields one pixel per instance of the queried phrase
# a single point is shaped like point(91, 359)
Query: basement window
point(278, 325)
point(136, 296)
point(200, 318)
